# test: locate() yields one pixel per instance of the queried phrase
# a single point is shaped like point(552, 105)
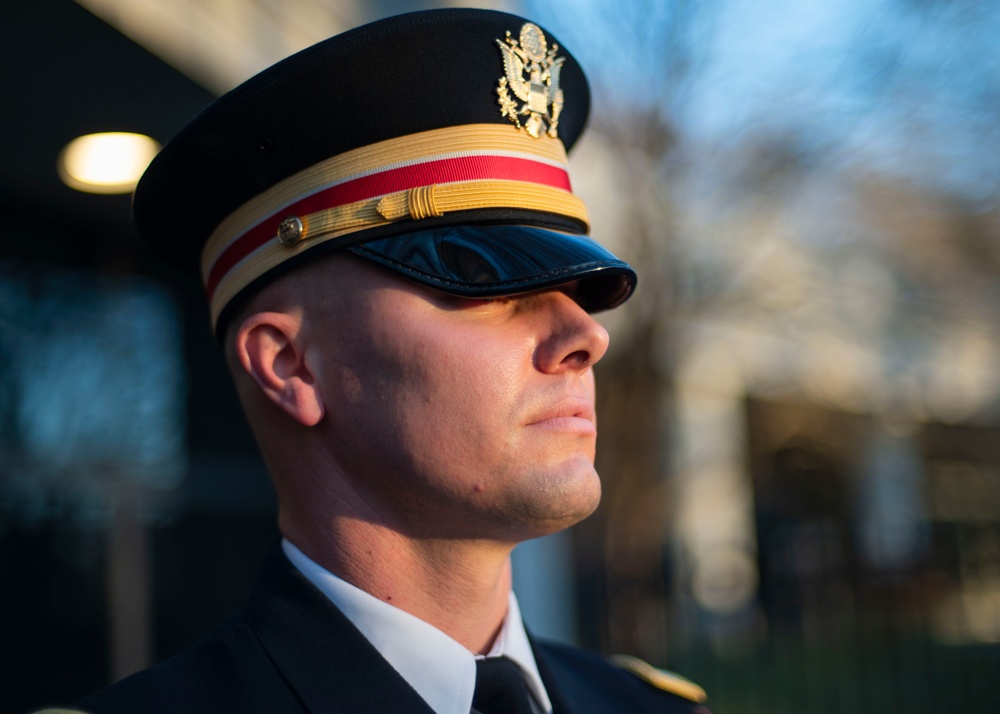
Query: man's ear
point(269, 348)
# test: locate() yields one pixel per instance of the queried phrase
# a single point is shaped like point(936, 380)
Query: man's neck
point(460, 587)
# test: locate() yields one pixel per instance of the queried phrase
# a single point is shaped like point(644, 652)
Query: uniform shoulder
point(603, 684)
point(660, 678)
point(227, 671)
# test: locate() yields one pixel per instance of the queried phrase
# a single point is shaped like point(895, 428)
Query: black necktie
point(500, 687)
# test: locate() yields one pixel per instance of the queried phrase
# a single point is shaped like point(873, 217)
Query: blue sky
point(908, 87)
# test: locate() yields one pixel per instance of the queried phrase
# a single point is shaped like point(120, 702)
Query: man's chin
point(562, 500)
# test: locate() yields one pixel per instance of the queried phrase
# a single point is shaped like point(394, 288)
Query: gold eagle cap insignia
point(531, 71)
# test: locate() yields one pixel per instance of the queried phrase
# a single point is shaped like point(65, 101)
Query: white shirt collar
point(442, 671)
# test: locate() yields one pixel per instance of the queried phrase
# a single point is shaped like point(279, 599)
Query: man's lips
point(570, 415)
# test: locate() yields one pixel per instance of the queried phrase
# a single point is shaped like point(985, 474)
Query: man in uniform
point(400, 277)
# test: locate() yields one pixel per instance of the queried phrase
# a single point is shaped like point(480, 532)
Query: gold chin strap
point(319, 227)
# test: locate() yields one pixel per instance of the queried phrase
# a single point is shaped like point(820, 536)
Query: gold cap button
point(290, 231)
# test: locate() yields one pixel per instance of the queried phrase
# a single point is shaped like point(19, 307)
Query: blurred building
point(134, 509)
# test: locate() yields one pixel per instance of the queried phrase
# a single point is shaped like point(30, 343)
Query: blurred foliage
point(807, 375)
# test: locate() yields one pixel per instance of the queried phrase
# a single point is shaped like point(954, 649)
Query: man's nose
point(573, 341)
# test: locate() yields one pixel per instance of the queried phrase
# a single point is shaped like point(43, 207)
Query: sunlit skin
point(414, 438)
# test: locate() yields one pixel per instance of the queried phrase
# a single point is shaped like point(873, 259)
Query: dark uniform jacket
point(291, 650)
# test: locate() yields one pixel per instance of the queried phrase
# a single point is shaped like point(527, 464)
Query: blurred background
point(800, 413)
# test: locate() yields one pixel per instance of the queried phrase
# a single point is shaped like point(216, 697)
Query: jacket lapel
point(323, 657)
point(578, 682)
point(568, 696)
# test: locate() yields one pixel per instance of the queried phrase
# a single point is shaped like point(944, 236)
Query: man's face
point(454, 417)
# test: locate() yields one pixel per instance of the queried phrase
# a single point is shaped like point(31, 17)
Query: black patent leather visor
point(489, 261)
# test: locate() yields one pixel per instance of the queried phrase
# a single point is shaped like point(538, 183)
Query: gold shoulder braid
point(660, 678)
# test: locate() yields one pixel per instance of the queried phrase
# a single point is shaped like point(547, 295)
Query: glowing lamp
point(110, 162)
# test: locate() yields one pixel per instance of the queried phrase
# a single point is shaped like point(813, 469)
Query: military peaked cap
point(434, 144)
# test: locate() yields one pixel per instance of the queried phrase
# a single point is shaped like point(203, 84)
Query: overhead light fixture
point(110, 162)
